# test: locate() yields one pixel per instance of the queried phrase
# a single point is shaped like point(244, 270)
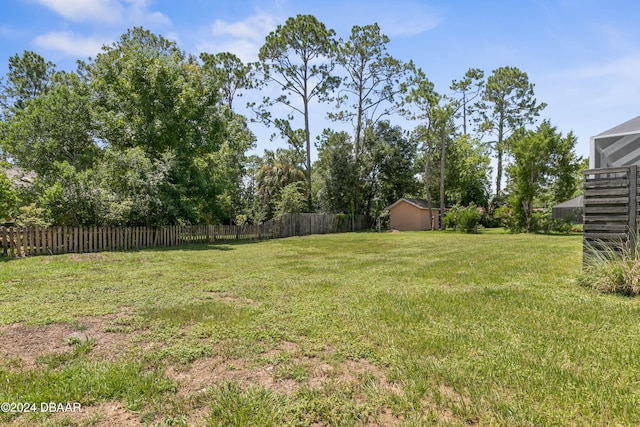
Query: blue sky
point(582, 55)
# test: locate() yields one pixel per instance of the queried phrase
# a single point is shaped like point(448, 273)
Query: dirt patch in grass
point(205, 373)
point(282, 368)
point(21, 345)
point(93, 256)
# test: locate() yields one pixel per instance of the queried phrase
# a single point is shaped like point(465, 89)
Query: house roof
point(19, 176)
point(626, 128)
point(418, 203)
point(573, 203)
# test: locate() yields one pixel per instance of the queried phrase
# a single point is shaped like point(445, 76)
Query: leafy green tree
point(275, 171)
point(29, 76)
point(132, 186)
point(73, 198)
point(507, 105)
point(467, 172)
point(423, 96)
point(149, 95)
point(291, 198)
point(298, 57)
point(8, 197)
point(543, 160)
point(374, 83)
point(53, 127)
point(337, 173)
point(389, 163)
point(228, 73)
point(227, 168)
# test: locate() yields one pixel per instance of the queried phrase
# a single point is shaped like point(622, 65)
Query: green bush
point(463, 219)
point(33, 216)
point(8, 198)
point(450, 219)
point(508, 219)
point(469, 218)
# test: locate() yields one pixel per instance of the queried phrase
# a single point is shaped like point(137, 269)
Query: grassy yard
point(406, 329)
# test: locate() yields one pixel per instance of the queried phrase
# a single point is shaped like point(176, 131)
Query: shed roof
point(418, 203)
point(626, 128)
point(576, 202)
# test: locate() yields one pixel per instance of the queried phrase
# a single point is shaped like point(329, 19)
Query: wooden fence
point(611, 208)
point(288, 225)
point(18, 241)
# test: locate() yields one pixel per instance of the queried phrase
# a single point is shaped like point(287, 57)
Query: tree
point(507, 105)
point(276, 170)
point(8, 197)
point(423, 96)
point(227, 72)
point(389, 163)
point(374, 81)
point(468, 89)
point(53, 127)
point(148, 94)
point(544, 160)
point(298, 57)
point(337, 172)
point(29, 76)
point(467, 173)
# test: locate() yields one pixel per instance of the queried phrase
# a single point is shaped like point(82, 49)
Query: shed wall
point(406, 217)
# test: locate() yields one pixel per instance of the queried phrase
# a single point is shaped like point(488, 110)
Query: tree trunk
point(307, 136)
point(442, 161)
point(499, 149)
point(427, 166)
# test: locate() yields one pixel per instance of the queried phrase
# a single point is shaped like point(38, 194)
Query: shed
point(618, 146)
point(570, 209)
point(413, 215)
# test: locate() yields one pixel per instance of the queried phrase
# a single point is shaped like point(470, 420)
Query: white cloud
point(108, 11)
point(253, 28)
point(70, 43)
point(242, 38)
point(612, 82)
point(139, 12)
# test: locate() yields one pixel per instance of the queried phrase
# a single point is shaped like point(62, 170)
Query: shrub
point(463, 219)
point(469, 218)
point(450, 219)
point(612, 269)
point(508, 219)
point(33, 216)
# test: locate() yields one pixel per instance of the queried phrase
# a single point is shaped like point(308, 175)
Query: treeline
point(146, 134)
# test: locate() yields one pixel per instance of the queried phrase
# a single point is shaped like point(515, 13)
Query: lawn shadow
point(226, 245)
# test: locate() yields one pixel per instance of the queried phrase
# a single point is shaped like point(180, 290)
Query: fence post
point(633, 207)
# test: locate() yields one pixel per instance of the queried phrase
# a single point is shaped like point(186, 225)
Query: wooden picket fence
point(19, 241)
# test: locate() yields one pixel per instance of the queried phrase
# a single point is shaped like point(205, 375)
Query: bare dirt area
point(272, 373)
point(21, 345)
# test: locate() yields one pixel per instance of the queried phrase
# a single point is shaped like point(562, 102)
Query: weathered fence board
point(18, 241)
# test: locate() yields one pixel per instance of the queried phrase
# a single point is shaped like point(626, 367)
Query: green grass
point(431, 328)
